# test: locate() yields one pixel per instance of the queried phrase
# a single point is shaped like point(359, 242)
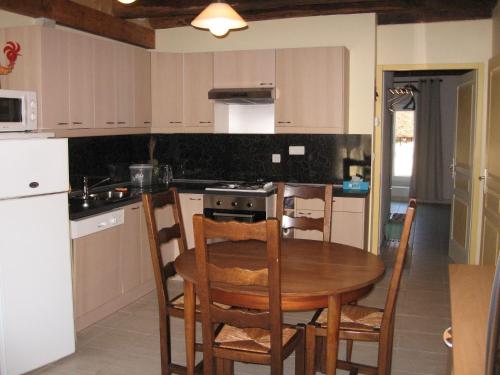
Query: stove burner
point(243, 187)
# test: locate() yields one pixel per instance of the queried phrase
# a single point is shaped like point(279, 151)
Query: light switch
point(276, 158)
point(296, 150)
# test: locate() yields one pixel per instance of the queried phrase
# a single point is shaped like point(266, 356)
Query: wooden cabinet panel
point(104, 84)
point(96, 270)
point(81, 90)
point(312, 88)
point(130, 246)
point(198, 80)
point(348, 228)
point(166, 89)
point(348, 204)
point(54, 95)
point(142, 88)
point(146, 262)
point(124, 89)
point(191, 204)
point(253, 68)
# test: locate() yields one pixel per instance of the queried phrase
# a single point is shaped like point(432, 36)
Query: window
point(404, 127)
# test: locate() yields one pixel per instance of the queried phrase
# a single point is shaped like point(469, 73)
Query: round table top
point(308, 268)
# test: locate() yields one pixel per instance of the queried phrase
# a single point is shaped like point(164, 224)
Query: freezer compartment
point(33, 167)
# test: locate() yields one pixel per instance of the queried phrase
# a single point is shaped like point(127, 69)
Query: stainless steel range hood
point(259, 95)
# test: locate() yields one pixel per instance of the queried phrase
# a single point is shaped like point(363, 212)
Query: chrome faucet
point(87, 188)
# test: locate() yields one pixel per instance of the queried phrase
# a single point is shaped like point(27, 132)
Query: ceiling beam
point(80, 17)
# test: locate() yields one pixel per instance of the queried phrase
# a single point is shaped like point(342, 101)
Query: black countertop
point(78, 211)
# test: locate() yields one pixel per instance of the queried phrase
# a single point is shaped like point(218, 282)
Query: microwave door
point(11, 110)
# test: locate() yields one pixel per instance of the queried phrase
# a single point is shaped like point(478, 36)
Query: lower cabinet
point(349, 220)
point(111, 268)
point(191, 204)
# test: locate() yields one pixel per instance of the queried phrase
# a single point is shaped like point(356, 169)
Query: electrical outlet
point(276, 158)
point(296, 150)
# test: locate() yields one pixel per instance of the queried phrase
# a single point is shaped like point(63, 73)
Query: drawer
point(343, 204)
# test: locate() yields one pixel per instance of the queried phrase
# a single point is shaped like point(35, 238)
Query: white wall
point(496, 30)
point(356, 32)
point(8, 19)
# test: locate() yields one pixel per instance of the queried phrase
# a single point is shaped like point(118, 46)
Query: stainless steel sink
point(99, 198)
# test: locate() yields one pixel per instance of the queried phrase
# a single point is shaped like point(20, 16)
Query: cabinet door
point(348, 228)
point(54, 96)
point(198, 80)
point(254, 68)
point(124, 90)
point(312, 88)
point(191, 204)
point(142, 87)
point(96, 270)
point(130, 247)
point(81, 90)
point(166, 89)
point(104, 84)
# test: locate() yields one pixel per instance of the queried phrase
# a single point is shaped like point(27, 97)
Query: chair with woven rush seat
point(361, 323)
point(324, 193)
point(164, 270)
point(254, 336)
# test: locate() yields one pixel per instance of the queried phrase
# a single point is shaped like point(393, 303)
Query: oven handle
point(232, 215)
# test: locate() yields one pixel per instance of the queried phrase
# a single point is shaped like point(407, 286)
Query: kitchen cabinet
point(244, 69)
point(191, 204)
point(124, 87)
point(111, 268)
point(349, 219)
point(166, 88)
point(312, 90)
point(198, 110)
point(142, 88)
point(104, 84)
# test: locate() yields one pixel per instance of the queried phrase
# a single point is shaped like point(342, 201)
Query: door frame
point(478, 157)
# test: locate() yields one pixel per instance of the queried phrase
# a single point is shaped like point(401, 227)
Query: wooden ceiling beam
point(80, 17)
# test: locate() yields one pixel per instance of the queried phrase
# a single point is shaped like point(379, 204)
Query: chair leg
point(165, 351)
point(348, 354)
point(300, 353)
point(310, 348)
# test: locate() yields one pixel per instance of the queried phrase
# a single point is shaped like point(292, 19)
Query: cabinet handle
point(147, 122)
point(110, 122)
point(284, 122)
point(175, 122)
point(195, 199)
point(121, 122)
point(77, 123)
point(135, 208)
point(266, 83)
point(178, 122)
point(205, 122)
point(448, 338)
point(62, 123)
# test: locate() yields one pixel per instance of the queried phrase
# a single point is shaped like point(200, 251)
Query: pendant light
point(219, 18)
point(126, 1)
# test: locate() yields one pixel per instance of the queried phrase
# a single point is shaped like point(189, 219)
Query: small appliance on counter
point(141, 175)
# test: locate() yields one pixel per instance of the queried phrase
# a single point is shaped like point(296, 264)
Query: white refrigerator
point(36, 302)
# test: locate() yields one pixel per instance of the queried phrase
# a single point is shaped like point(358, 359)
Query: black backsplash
point(222, 156)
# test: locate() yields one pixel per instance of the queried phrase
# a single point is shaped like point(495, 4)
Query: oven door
point(234, 215)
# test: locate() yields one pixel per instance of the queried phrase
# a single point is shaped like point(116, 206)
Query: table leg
point(332, 337)
point(189, 325)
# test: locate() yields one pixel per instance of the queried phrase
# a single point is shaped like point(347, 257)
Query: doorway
point(419, 153)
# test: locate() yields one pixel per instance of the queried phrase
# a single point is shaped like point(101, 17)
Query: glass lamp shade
point(219, 18)
point(126, 1)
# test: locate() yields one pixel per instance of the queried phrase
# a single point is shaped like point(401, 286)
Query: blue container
point(355, 185)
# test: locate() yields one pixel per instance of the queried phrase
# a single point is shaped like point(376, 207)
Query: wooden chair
point(361, 323)
point(306, 223)
point(255, 336)
point(164, 270)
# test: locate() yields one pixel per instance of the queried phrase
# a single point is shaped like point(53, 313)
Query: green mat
point(394, 227)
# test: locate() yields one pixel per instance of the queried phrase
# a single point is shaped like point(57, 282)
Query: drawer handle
point(284, 122)
point(448, 337)
point(147, 122)
point(77, 123)
point(205, 122)
point(62, 123)
point(135, 208)
point(110, 122)
point(195, 199)
point(122, 122)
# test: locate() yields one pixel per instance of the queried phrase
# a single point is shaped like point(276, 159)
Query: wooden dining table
point(314, 274)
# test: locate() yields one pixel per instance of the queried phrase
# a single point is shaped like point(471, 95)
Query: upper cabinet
point(312, 90)
point(142, 87)
point(198, 80)
point(166, 88)
point(180, 85)
point(244, 69)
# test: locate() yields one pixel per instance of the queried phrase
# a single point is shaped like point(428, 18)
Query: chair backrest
point(392, 295)
point(323, 192)
point(158, 236)
point(266, 278)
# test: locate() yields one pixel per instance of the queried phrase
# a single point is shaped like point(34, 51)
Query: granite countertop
point(78, 211)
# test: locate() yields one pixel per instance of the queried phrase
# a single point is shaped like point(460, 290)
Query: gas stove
point(242, 187)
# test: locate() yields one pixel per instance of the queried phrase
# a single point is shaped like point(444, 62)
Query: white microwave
point(18, 110)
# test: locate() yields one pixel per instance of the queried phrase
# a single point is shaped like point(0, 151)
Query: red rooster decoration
point(11, 50)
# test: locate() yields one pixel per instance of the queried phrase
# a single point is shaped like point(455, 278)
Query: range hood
point(256, 95)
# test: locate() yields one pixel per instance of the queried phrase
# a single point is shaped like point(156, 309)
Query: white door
point(462, 169)
point(490, 235)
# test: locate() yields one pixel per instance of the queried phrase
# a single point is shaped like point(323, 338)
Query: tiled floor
point(127, 342)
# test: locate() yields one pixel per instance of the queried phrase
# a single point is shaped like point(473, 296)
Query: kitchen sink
point(99, 198)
